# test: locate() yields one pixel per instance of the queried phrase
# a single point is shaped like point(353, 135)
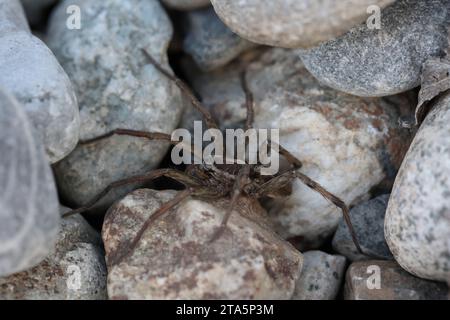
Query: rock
point(175, 259)
point(29, 70)
point(348, 144)
point(386, 280)
point(76, 269)
point(321, 276)
point(186, 4)
point(117, 88)
point(417, 225)
point(36, 10)
point(210, 43)
point(368, 222)
point(293, 23)
point(371, 62)
point(29, 215)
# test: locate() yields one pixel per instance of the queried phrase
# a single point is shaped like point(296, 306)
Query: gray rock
point(29, 70)
point(209, 41)
point(117, 88)
point(368, 222)
point(386, 280)
point(371, 62)
point(321, 276)
point(186, 4)
point(75, 270)
point(176, 260)
point(293, 23)
point(36, 10)
point(417, 225)
point(348, 144)
point(29, 217)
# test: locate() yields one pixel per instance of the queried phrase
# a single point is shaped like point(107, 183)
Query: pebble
point(348, 144)
point(29, 70)
point(417, 223)
point(75, 270)
point(186, 4)
point(175, 259)
point(117, 88)
point(29, 217)
point(386, 61)
point(293, 23)
point(368, 222)
point(209, 41)
point(321, 277)
point(386, 280)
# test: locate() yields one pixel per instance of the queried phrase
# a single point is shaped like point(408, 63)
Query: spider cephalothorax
point(230, 181)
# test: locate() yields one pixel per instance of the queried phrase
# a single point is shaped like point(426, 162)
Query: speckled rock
point(117, 88)
point(386, 280)
point(348, 144)
point(367, 62)
point(75, 270)
point(417, 222)
point(186, 4)
point(29, 216)
point(29, 70)
point(36, 10)
point(176, 260)
point(210, 43)
point(293, 23)
point(321, 276)
point(368, 222)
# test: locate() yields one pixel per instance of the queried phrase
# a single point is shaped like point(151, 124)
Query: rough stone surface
point(175, 259)
point(75, 270)
point(30, 71)
point(293, 23)
point(29, 216)
point(394, 283)
point(36, 9)
point(348, 144)
point(186, 4)
point(117, 88)
point(368, 222)
point(321, 276)
point(417, 222)
point(387, 61)
point(209, 41)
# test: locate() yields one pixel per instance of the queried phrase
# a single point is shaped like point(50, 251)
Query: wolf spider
point(215, 181)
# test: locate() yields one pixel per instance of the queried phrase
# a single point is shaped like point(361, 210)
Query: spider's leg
point(165, 208)
point(333, 199)
point(241, 178)
point(131, 133)
point(293, 160)
point(249, 101)
point(170, 173)
point(211, 123)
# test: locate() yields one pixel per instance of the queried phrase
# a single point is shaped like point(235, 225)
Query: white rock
point(293, 23)
point(417, 224)
point(29, 217)
point(117, 88)
point(30, 71)
point(176, 260)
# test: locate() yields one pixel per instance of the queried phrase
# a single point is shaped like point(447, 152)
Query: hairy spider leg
point(177, 175)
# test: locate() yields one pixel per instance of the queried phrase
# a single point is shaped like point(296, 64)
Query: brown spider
point(216, 181)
